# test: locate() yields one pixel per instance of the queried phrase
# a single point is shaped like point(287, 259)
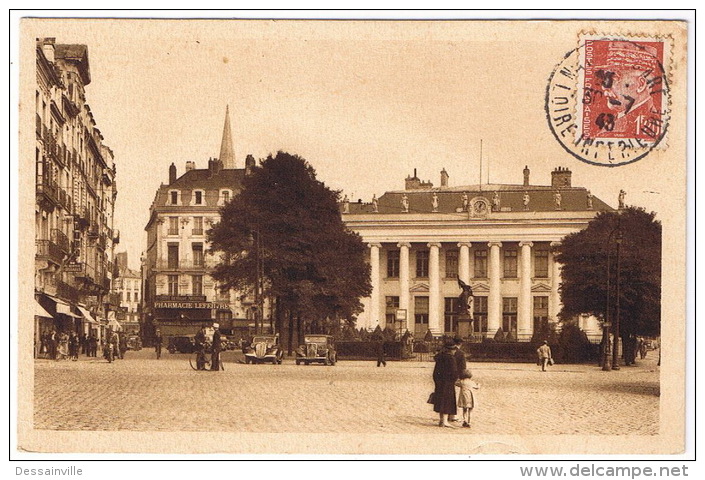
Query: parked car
point(134, 342)
point(264, 348)
point(317, 348)
point(182, 344)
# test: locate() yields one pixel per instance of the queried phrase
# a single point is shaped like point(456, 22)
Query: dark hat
point(457, 340)
point(449, 344)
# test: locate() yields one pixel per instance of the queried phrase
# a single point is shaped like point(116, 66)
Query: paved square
point(141, 393)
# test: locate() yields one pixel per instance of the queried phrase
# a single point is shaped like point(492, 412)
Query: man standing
point(461, 365)
point(158, 343)
point(215, 353)
point(544, 353)
point(200, 341)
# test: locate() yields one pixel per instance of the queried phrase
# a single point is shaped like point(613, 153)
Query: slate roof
point(450, 199)
point(202, 179)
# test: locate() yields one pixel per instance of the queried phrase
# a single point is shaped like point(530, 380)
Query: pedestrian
point(200, 340)
point(158, 343)
point(92, 345)
point(445, 373)
point(642, 348)
point(73, 346)
point(52, 343)
point(123, 345)
point(215, 348)
point(544, 353)
point(461, 364)
point(115, 341)
point(381, 354)
point(63, 346)
point(466, 398)
point(83, 342)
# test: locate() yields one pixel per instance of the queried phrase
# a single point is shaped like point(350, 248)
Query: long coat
point(445, 374)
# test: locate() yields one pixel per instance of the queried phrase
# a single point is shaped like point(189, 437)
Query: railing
point(67, 292)
point(60, 239)
point(87, 271)
point(185, 264)
point(102, 242)
point(50, 250)
point(47, 187)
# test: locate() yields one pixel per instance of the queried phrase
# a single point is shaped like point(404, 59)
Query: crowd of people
point(69, 345)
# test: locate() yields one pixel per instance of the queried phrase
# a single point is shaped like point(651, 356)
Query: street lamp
point(615, 332)
point(606, 364)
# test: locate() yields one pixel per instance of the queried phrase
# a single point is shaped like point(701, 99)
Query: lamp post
point(606, 364)
point(615, 331)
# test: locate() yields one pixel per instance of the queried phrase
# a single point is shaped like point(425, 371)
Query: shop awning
point(86, 314)
point(40, 311)
point(63, 307)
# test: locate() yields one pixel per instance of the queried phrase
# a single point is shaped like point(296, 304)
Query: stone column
point(434, 289)
point(374, 277)
point(494, 299)
point(554, 302)
point(464, 262)
point(405, 284)
point(524, 327)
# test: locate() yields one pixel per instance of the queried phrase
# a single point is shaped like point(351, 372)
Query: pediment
point(480, 287)
point(419, 288)
point(541, 288)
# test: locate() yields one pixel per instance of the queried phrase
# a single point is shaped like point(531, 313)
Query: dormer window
point(198, 197)
point(224, 196)
point(173, 197)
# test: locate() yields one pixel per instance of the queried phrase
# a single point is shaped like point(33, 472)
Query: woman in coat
point(445, 374)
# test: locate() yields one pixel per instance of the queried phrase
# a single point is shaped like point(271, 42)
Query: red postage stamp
point(623, 89)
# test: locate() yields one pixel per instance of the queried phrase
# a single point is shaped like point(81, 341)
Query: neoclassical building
point(496, 238)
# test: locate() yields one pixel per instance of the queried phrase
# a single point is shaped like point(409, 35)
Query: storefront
point(184, 316)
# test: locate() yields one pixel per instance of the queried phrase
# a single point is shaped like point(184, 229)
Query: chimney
point(172, 173)
point(215, 166)
point(444, 178)
point(190, 166)
point(249, 164)
point(526, 175)
point(561, 178)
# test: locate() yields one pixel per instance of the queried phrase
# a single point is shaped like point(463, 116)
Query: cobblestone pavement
point(141, 393)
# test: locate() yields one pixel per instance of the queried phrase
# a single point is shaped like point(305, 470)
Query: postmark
point(607, 101)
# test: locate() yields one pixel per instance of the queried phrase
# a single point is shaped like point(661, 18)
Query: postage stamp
point(607, 101)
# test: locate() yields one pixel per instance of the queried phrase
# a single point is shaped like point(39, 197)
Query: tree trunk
point(299, 329)
point(291, 333)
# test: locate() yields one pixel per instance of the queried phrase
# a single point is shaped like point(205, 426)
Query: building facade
point(127, 285)
point(179, 293)
point(75, 198)
point(496, 238)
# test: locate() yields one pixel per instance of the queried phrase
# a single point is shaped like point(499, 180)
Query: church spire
point(227, 154)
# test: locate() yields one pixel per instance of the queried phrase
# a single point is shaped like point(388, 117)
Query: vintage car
point(317, 348)
point(134, 342)
point(182, 344)
point(263, 349)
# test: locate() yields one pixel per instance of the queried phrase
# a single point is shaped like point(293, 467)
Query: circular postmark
point(607, 101)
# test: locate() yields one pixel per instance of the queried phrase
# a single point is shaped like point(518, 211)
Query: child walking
point(466, 398)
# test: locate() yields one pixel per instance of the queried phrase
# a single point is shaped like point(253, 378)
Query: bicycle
point(201, 359)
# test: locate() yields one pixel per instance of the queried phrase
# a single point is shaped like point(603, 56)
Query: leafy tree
point(585, 256)
point(287, 223)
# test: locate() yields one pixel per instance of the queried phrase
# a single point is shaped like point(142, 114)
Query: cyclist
point(201, 344)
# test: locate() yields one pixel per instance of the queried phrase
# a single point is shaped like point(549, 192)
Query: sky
point(365, 103)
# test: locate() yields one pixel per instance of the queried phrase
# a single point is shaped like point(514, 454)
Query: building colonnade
point(508, 274)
